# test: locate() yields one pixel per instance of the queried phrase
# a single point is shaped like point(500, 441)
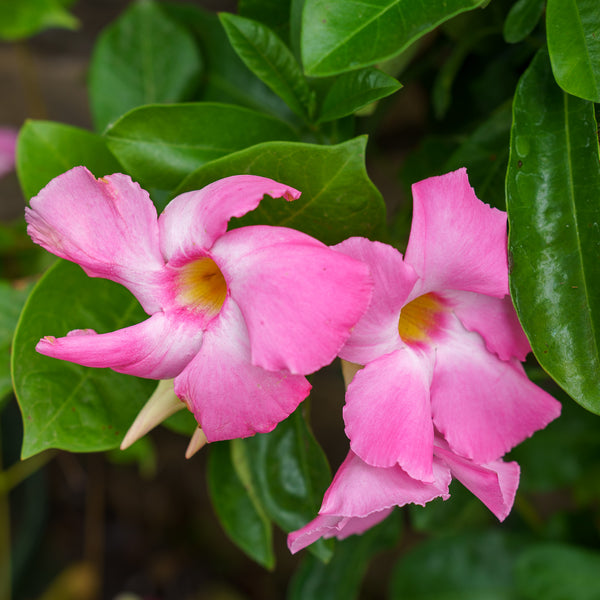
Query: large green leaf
point(273, 13)
point(573, 32)
point(340, 578)
point(338, 199)
point(46, 149)
point(342, 35)
point(236, 504)
point(161, 144)
point(552, 188)
point(476, 566)
point(144, 57)
point(289, 473)
point(63, 404)
point(24, 18)
point(558, 572)
point(271, 61)
point(352, 91)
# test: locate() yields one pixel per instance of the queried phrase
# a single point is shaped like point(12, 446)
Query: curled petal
point(192, 222)
point(230, 397)
point(494, 483)
point(482, 405)
point(388, 414)
point(108, 226)
point(326, 526)
point(158, 348)
point(298, 297)
point(456, 241)
point(377, 331)
point(494, 319)
point(8, 143)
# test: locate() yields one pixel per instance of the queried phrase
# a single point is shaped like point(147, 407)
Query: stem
point(5, 562)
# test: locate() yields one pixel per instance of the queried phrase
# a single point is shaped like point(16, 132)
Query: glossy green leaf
point(63, 404)
point(271, 61)
point(342, 35)
point(352, 91)
point(340, 578)
point(226, 77)
point(476, 566)
point(552, 188)
point(23, 18)
point(289, 473)
point(558, 572)
point(144, 57)
point(338, 199)
point(46, 149)
point(235, 502)
point(159, 145)
point(573, 33)
point(522, 19)
point(11, 302)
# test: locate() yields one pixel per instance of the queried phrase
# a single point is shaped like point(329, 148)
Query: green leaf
point(476, 566)
point(342, 35)
point(275, 14)
point(63, 404)
point(46, 149)
point(340, 578)
point(573, 33)
point(558, 572)
point(11, 302)
point(144, 57)
point(236, 504)
point(352, 91)
point(338, 199)
point(159, 145)
point(24, 18)
point(289, 473)
point(271, 61)
point(552, 188)
point(226, 77)
point(522, 19)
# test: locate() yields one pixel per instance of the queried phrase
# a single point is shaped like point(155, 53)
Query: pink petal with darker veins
point(377, 331)
point(107, 226)
point(494, 319)
point(193, 221)
point(482, 405)
point(456, 241)
point(230, 397)
point(298, 297)
point(158, 348)
point(388, 413)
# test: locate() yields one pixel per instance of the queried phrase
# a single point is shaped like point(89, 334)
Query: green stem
point(5, 564)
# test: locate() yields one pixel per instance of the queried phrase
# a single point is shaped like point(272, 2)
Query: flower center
point(201, 286)
point(420, 318)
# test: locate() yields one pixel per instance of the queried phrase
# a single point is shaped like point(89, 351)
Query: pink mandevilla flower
point(8, 143)
point(442, 391)
point(237, 317)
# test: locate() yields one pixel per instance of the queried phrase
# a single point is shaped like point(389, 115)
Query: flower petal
point(359, 489)
point(388, 415)
point(494, 483)
point(158, 348)
point(377, 331)
point(326, 526)
point(482, 405)
point(299, 298)
point(108, 226)
point(456, 241)
point(8, 143)
point(229, 396)
point(195, 220)
point(494, 319)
